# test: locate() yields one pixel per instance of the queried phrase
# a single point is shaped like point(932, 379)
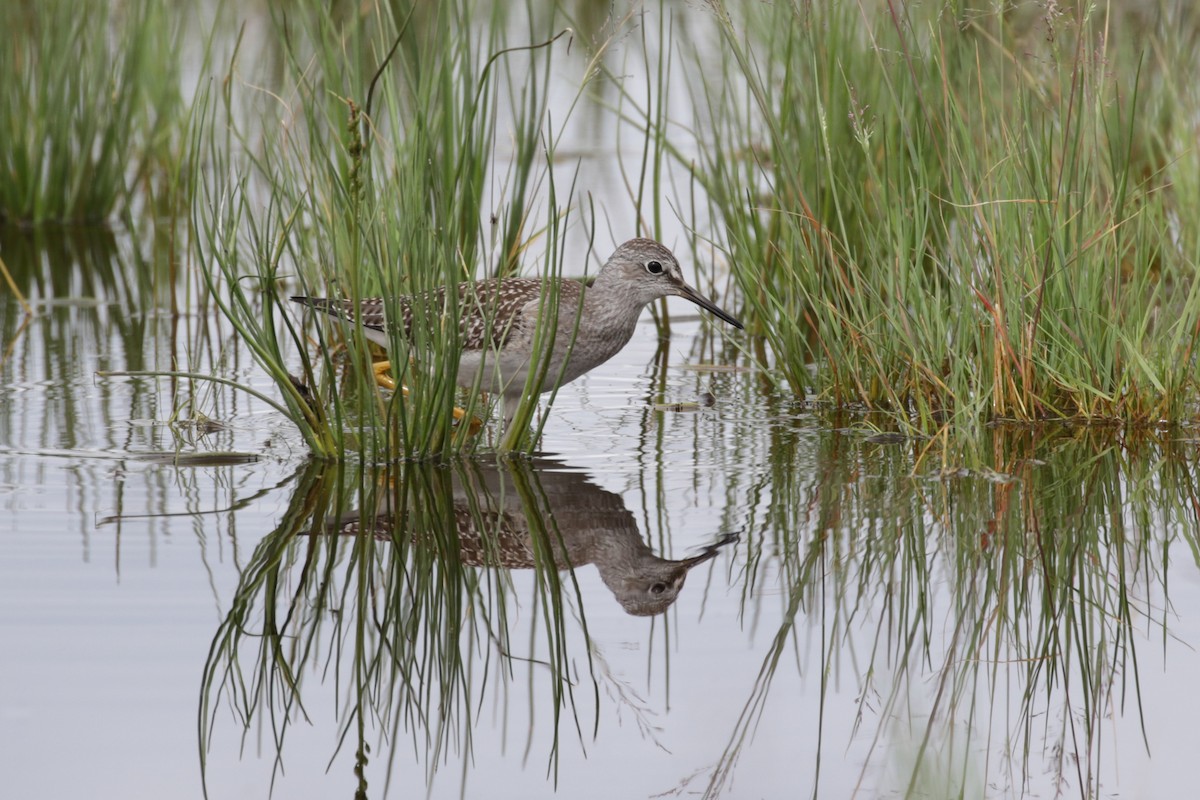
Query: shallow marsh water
point(881, 625)
point(865, 616)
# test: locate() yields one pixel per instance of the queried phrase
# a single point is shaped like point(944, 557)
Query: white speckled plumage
point(639, 272)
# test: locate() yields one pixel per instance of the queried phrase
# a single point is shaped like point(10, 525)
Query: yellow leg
point(386, 381)
point(379, 368)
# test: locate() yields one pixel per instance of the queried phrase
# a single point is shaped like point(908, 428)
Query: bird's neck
point(609, 303)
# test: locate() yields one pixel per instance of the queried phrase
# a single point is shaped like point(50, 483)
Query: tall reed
point(379, 180)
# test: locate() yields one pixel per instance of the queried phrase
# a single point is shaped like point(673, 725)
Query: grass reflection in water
point(986, 620)
point(964, 628)
point(407, 584)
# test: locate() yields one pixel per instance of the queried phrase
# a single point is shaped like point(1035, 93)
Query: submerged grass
point(954, 213)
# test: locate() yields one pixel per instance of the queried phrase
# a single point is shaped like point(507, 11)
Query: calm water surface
point(858, 616)
point(880, 626)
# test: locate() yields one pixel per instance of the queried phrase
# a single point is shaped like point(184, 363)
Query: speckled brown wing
point(490, 310)
point(504, 302)
point(501, 301)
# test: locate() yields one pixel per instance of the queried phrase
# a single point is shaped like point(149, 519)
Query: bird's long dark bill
point(708, 305)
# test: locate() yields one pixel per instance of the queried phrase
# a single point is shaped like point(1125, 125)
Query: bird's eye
point(658, 588)
point(654, 267)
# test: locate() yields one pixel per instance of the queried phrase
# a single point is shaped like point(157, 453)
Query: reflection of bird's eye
point(658, 588)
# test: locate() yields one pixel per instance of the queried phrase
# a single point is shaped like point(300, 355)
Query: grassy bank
point(954, 214)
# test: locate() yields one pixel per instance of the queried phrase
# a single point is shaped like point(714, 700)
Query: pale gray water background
point(117, 567)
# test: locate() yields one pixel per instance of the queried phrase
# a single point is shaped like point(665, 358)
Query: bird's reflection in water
point(405, 577)
point(522, 515)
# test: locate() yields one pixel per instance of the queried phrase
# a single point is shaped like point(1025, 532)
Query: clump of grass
point(961, 217)
point(379, 181)
point(89, 107)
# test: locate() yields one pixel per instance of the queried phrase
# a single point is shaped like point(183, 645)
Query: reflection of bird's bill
point(709, 552)
point(707, 555)
point(689, 293)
